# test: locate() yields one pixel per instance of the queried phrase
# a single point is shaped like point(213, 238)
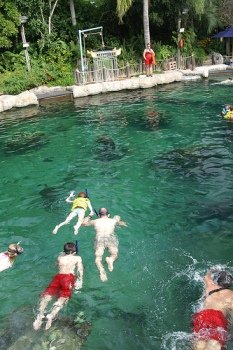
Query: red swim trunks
point(149, 58)
point(61, 286)
point(210, 324)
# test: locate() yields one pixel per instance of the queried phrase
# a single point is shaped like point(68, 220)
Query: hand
point(91, 214)
point(78, 284)
point(72, 193)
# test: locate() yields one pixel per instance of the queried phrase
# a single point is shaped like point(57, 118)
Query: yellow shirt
point(80, 202)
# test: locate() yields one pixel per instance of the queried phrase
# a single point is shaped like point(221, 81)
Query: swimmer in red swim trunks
point(61, 285)
point(210, 324)
point(149, 57)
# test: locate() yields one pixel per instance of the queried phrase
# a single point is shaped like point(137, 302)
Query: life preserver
point(181, 43)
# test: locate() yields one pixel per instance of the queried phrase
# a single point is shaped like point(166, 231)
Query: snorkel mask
point(223, 278)
point(15, 249)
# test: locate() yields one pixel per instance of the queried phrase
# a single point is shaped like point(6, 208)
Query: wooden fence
point(129, 70)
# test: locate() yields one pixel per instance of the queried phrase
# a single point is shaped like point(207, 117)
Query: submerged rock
point(187, 162)
point(49, 196)
point(65, 333)
point(21, 142)
point(106, 149)
point(215, 210)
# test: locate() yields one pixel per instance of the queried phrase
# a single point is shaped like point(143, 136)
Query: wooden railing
point(129, 70)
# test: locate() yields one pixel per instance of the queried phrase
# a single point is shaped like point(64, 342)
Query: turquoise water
point(170, 177)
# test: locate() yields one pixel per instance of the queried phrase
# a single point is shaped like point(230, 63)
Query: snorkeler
point(7, 258)
point(61, 285)
point(210, 324)
point(79, 207)
point(227, 112)
point(105, 238)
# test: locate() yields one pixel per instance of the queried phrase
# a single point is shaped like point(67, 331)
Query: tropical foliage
point(52, 31)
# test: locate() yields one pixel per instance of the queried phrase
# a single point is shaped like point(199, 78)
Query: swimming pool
point(161, 158)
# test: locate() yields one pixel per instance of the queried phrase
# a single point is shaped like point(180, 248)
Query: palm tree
point(122, 8)
point(72, 13)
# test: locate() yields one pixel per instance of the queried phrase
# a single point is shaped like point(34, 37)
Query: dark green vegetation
point(52, 31)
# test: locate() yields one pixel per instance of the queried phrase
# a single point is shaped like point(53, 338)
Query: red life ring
point(181, 43)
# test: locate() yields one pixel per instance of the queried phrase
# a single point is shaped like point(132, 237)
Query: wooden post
point(127, 70)
point(104, 73)
point(141, 67)
point(193, 61)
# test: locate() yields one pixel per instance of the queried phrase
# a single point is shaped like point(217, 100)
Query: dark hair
point(224, 279)
point(82, 194)
point(103, 212)
point(69, 248)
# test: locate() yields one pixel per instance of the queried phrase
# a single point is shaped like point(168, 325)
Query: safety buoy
point(181, 43)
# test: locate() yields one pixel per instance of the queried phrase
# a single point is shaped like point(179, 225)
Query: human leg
point(81, 215)
point(113, 256)
point(207, 345)
point(67, 221)
point(43, 304)
point(57, 306)
point(98, 261)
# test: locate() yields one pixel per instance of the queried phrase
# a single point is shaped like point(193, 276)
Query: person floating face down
point(69, 277)
point(105, 239)
point(210, 324)
point(79, 207)
point(7, 258)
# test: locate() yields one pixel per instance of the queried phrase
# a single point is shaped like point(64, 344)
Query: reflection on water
point(162, 159)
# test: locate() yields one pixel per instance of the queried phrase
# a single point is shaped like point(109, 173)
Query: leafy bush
point(163, 52)
point(40, 74)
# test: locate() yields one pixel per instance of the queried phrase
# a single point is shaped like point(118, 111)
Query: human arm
point(90, 208)
point(144, 54)
point(87, 221)
point(208, 280)
point(71, 195)
point(119, 222)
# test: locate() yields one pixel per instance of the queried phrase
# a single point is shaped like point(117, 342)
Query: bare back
point(69, 263)
point(105, 226)
point(221, 300)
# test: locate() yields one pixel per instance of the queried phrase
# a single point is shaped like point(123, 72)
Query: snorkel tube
point(76, 246)
point(87, 196)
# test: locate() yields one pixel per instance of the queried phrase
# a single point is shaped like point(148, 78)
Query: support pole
point(178, 40)
point(25, 46)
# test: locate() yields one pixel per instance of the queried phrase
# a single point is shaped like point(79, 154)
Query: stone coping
point(34, 96)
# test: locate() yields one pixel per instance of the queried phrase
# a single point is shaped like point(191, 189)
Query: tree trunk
point(51, 11)
point(146, 23)
point(72, 13)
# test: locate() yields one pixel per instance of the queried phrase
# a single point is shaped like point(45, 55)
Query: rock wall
point(33, 96)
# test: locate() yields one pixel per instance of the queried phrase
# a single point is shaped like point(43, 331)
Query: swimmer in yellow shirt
point(79, 207)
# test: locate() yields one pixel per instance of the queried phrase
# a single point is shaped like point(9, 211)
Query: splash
point(177, 341)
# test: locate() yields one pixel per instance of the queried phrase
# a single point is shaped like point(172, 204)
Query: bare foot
point(103, 276)
point(75, 230)
point(110, 263)
point(55, 230)
point(38, 322)
point(49, 322)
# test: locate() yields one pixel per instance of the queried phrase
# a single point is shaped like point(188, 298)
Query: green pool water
point(162, 159)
